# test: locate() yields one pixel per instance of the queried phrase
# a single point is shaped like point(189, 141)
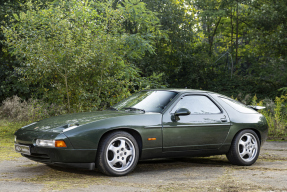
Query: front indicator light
point(60, 143)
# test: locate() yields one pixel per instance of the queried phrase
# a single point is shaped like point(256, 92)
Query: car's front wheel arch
point(134, 133)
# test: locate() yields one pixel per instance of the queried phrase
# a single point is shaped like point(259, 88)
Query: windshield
point(149, 101)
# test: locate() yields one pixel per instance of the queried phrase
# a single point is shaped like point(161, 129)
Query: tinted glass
point(150, 101)
point(197, 104)
point(237, 105)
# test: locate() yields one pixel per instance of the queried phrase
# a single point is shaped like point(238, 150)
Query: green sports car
point(149, 124)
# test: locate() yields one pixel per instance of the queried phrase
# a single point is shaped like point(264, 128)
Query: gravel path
point(214, 173)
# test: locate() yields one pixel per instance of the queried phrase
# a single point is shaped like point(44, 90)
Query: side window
point(197, 104)
point(237, 105)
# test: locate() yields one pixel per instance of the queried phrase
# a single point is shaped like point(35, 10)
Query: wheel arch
point(255, 130)
point(133, 132)
point(258, 134)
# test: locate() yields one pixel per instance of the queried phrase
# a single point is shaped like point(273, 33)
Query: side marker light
point(151, 139)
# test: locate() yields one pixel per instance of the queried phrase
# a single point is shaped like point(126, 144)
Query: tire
point(244, 149)
point(118, 154)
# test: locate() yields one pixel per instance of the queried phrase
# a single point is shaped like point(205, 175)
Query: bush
point(16, 109)
point(276, 116)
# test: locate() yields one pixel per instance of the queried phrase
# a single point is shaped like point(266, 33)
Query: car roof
point(181, 90)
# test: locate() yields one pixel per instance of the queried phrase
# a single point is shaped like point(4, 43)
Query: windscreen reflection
point(149, 101)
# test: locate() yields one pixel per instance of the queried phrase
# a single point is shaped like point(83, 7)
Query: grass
point(7, 130)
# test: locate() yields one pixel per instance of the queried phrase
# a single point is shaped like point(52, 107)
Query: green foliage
point(172, 52)
point(9, 84)
point(283, 90)
point(276, 115)
point(78, 52)
point(200, 34)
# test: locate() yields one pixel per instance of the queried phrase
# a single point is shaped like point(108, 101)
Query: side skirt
point(157, 153)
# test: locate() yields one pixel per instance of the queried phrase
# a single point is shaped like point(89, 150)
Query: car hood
point(62, 122)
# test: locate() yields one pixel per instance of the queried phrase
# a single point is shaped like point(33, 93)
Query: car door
point(206, 127)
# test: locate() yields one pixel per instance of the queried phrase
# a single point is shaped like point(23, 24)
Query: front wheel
point(118, 154)
point(244, 149)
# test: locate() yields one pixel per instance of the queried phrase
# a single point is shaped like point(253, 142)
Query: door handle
point(223, 120)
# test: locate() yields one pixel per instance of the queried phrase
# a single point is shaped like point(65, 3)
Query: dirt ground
point(214, 173)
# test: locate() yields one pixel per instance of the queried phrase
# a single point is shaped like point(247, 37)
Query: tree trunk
point(231, 39)
point(67, 90)
point(100, 89)
point(212, 37)
point(237, 26)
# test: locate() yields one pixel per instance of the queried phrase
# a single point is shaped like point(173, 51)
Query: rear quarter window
point(240, 107)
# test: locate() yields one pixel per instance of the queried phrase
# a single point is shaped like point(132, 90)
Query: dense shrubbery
point(79, 53)
point(18, 110)
point(276, 115)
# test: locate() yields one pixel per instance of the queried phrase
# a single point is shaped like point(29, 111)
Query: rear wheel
point(244, 149)
point(118, 154)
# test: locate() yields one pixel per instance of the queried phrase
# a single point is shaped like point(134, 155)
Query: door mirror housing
point(181, 112)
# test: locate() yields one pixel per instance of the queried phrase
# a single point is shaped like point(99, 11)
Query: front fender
point(89, 135)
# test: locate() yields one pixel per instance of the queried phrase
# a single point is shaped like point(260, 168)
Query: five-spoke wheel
point(244, 149)
point(247, 147)
point(118, 154)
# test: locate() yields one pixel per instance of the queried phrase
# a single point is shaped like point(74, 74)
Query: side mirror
point(181, 112)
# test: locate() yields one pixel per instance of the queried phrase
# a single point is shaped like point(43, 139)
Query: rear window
point(237, 105)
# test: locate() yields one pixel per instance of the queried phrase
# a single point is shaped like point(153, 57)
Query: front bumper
point(64, 155)
point(61, 156)
point(46, 160)
point(52, 155)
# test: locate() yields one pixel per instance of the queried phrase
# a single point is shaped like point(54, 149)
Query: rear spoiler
point(256, 108)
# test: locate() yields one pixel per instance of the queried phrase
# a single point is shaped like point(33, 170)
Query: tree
point(80, 48)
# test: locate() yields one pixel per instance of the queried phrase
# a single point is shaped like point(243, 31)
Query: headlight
point(50, 143)
point(45, 143)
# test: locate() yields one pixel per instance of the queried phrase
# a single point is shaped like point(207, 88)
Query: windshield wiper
point(132, 108)
point(112, 109)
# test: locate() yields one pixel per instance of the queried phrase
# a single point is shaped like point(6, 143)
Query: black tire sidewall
point(235, 153)
point(104, 167)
